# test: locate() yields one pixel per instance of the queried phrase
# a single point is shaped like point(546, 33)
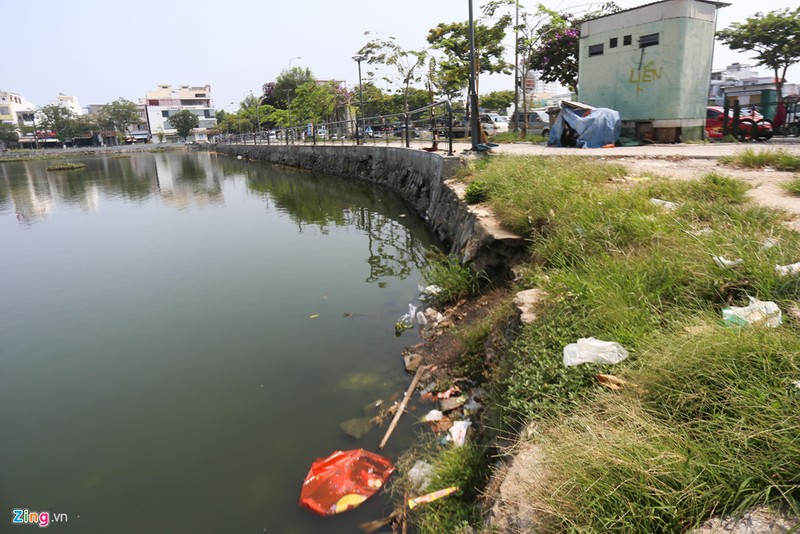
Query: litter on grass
point(591, 350)
point(786, 270)
point(458, 432)
point(430, 497)
point(760, 313)
point(666, 204)
point(722, 262)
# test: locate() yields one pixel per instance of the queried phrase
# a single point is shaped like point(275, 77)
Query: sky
point(101, 50)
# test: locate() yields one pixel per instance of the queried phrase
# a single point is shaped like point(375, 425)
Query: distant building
point(70, 103)
point(653, 65)
point(16, 109)
point(166, 101)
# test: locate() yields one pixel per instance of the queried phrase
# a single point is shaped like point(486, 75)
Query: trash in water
point(761, 313)
point(420, 474)
point(458, 432)
point(722, 262)
point(449, 393)
point(421, 319)
point(430, 497)
point(429, 291)
point(360, 382)
point(591, 350)
point(373, 408)
point(357, 428)
point(313, 316)
point(666, 204)
point(786, 270)
point(344, 480)
point(433, 415)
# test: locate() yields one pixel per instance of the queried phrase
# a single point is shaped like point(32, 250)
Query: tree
point(59, 120)
point(407, 63)
point(119, 115)
point(453, 40)
point(498, 100)
point(556, 45)
point(8, 134)
point(184, 121)
point(286, 85)
point(773, 37)
point(314, 102)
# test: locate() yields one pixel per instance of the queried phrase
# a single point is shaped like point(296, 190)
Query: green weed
point(755, 159)
point(455, 280)
point(792, 186)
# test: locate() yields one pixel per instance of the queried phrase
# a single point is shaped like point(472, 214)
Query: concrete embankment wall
point(422, 179)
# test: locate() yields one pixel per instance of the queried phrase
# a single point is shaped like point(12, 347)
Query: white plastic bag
point(591, 350)
point(666, 204)
point(786, 270)
point(722, 262)
point(458, 432)
point(763, 313)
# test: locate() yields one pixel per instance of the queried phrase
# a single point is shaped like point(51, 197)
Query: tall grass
point(714, 431)
point(454, 280)
point(777, 159)
point(792, 186)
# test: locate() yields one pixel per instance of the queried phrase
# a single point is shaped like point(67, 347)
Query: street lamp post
point(359, 58)
point(258, 117)
point(473, 95)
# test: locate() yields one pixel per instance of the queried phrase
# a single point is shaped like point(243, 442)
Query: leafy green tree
point(498, 100)
point(773, 37)
point(59, 120)
point(314, 102)
point(8, 134)
point(184, 122)
point(453, 41)
point(119, 115)
point(286, 85)
point(407, 63)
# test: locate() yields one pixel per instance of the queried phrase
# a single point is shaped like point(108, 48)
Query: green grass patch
point(715, 430)
point(792, 186)
point(463, 467)
point(755, 159)
point(712, 431)
point(516, 137)
point(454, 280)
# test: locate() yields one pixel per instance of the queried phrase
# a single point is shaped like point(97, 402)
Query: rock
point(758, 520)
point(527, 302)
point(412, 361)
point(452, 403)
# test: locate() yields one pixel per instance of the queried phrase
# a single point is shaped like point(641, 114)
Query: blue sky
point(100, 50)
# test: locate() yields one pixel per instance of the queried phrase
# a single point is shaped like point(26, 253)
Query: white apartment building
point(16, 109)
point(167, 101)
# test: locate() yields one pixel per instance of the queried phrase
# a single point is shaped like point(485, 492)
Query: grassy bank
point(711, 422)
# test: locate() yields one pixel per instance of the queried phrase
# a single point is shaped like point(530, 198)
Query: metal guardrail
point(422, 125)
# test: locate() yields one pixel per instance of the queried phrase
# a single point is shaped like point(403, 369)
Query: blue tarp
point(595, 127)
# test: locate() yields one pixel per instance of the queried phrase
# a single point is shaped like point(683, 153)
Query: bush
point(477, 192)
point(455, 281)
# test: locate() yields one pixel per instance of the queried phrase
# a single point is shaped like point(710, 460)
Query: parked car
point(494, 121)
point(538, 122)
point(752, 124)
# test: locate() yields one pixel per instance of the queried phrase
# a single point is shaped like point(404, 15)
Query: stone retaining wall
point(422, 179)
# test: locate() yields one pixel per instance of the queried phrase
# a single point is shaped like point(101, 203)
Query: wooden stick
point(402, 407)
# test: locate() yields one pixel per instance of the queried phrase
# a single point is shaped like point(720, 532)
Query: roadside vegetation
point(707, 424)
point(780, 160)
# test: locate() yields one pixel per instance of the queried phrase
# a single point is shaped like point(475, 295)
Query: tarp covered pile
point(583, 126)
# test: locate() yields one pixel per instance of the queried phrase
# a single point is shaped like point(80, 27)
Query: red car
point(752, 124)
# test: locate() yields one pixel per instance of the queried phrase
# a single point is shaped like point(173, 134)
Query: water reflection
point(30, 190)
point(310, 200)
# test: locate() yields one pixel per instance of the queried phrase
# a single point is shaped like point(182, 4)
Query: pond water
point(181, 335)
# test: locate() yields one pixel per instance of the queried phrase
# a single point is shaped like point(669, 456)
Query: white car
point(494, 123)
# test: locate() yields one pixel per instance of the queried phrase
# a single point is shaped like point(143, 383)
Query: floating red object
point(344, 480)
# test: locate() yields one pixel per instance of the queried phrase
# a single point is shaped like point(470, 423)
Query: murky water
point(182, 334)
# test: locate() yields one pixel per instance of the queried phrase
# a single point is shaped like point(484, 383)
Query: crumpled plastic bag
point(759, 312)
point(591, 350)
point(458, 432)
point(786, 270)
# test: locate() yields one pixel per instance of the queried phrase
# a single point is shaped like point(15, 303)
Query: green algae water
point(181, 335)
